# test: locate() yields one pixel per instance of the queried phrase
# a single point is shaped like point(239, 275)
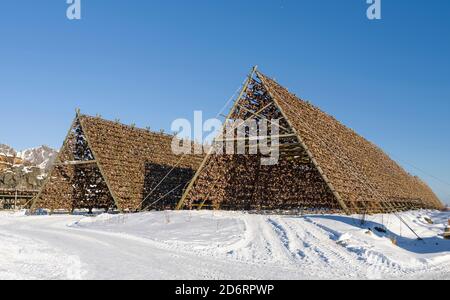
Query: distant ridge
point(25, 169)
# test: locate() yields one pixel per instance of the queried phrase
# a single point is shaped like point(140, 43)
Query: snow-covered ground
point(222, 245)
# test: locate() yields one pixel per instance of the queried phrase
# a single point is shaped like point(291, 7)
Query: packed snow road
point(222, 245)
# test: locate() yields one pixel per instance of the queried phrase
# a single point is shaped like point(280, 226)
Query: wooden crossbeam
point(18, 196)
point(256, 138)
point(77, 163)
point(257, 113)
point(290, 146)
point(293, 150)
point(262, 117)
point(297, 157)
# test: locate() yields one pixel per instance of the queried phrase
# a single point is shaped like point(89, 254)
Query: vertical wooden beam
point(15, 200)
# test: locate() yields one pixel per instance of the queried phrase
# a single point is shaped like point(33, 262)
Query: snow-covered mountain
point(25, 169)
point(42, 157)
point(7, 151)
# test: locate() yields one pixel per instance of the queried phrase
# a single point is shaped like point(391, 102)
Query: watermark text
point(73, 10)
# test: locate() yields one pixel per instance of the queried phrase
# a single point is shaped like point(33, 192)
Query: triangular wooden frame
point(237, 105)
point(60, 161)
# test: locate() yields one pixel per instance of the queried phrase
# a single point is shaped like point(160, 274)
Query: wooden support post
point(447, 231)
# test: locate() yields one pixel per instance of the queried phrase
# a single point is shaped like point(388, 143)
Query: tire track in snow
point(377, 264)
point(321, 253)
point(371, 264)
point(141, 258)
point(260, 243)
point(255, 247)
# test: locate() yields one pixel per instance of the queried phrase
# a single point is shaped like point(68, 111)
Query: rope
point(437, 179)
point(409, 227)
point(184, 155)
point(355, 172)
point(367, 183)
point(327, 146)
point(424, 172)
point(167, 194)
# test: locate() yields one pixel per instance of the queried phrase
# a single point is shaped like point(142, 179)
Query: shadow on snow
point(428, 245)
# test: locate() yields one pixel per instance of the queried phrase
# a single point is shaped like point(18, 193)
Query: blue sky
point(149, 62)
